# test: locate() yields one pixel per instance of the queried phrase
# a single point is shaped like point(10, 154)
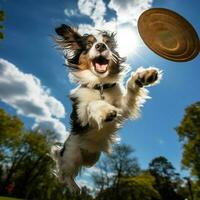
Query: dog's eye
point(107, 41)
point(89, 44)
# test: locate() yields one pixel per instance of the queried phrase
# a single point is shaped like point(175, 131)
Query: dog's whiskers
point(72, 66)
point(118, 57)
point(114, 54)
point(114, 59)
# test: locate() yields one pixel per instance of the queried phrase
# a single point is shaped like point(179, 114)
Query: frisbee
point(168, 34)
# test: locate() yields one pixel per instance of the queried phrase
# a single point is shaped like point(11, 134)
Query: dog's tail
point(55, 152)
point(55, 155)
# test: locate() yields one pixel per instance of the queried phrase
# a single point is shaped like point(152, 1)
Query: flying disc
point(168, 34)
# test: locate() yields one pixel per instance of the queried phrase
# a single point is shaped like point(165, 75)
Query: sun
point(128, 41)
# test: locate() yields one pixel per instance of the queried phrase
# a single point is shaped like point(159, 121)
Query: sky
point(34, 84)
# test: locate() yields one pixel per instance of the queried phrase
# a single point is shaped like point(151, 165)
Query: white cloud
point(128, 11)
point(91, 170)
point(71, 12)
point(88, 172)
point(52, 124)
point(55, 107)
point(30, 98)
point(87, 183)
point(85, 177)
point(106, 26)
point(85, 28)
point(95, 9)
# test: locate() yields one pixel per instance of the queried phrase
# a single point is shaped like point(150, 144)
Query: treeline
point(26, 169)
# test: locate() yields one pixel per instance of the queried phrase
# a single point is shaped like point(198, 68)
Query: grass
point(8, 198)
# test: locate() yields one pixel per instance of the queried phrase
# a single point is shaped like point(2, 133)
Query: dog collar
point(101, 87)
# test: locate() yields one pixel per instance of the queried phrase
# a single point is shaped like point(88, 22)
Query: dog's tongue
point(101, 67)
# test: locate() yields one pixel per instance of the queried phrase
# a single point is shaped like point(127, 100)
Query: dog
point(101, 103)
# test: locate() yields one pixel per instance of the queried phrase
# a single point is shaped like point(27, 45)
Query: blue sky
point(29, 58)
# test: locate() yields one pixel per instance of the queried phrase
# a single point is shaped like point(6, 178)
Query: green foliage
point(11, 129)
point(196, 188)
point(26, 164)
point(2, 17)
point(189, 135)
point(140, 187)
point(120, 163)
point(167, 181)
point(160, 166)
point(120, 177)
point(137, 188)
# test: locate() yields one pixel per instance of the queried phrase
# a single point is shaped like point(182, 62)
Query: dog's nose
point(100, 47)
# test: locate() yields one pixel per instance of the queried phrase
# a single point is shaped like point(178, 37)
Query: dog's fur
point(98, 110)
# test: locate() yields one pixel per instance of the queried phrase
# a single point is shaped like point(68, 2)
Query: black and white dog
point(101, 102)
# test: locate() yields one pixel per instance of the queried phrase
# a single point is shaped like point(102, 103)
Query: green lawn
point(8, 198)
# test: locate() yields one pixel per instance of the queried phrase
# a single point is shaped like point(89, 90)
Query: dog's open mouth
point(100, 64)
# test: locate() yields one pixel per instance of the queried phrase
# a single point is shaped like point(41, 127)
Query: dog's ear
point(70, 38)
point(71, 42)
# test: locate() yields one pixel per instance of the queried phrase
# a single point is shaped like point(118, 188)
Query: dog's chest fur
point(93, 137)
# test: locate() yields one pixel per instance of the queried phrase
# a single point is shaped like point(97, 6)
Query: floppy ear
point(69, 40)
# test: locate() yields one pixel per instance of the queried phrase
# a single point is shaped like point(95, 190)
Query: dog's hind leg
point(72, 186)
point(69, 162)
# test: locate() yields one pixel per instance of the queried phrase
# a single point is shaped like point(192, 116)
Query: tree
point(25, 164)
point(11, 128)
point(167, 181)
point(162, 167)
point(121, 163)
point(189, 135)
point(103, 179)
point(139, 187)
point(2, 16)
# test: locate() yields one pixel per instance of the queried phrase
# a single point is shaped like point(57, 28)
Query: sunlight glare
point(128, 41)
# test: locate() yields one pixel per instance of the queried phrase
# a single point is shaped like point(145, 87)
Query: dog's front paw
point(145, 77)
point(100, 112)
point(111, 115)
point(95, 119)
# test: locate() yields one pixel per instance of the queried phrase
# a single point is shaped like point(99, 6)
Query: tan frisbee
point(168, 34)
